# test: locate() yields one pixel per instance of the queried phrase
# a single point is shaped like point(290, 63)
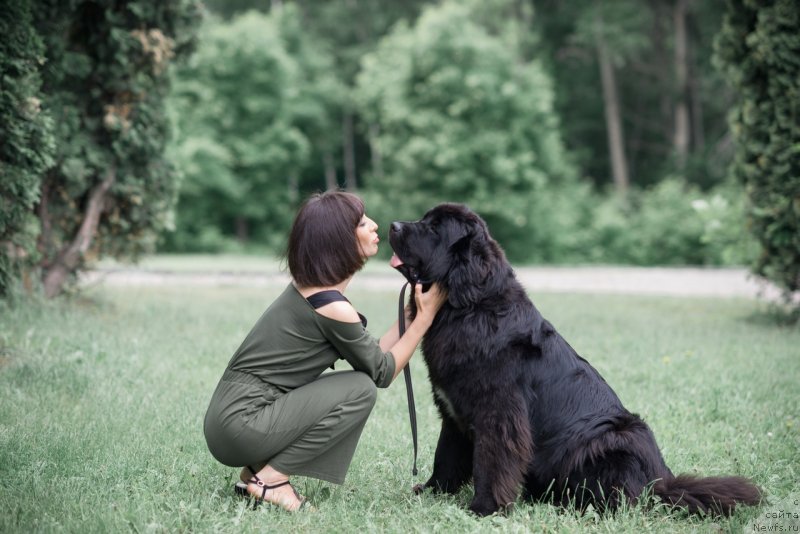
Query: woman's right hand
point(430, 302)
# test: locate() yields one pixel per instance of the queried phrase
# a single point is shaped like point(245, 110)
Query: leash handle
point(412, 411)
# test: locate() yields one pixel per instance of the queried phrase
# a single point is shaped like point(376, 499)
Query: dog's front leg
point(503, 450)
point(452, 464)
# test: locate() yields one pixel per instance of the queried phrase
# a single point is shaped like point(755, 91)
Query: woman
point(273, 411)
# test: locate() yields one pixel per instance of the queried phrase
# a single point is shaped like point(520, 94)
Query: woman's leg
point(312, 430)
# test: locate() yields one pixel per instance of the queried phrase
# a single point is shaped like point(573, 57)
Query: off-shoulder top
point(291, 344)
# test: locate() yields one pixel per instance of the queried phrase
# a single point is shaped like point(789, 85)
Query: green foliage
point(759, 49)
point(26, 137)
point(671, 223)
point(639, 36)
point(467, 102)
point(725, 237)
point(104, 82)
point(462, 119)
point(350, 29)
point(623, 26)
point(455, 105)
point(250, 108)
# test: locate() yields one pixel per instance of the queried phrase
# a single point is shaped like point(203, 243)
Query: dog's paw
point(483, 508)
point(418, 489)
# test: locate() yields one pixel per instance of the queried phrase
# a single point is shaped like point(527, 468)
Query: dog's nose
point(397, 227)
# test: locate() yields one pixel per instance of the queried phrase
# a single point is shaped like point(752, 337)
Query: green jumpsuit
point(273, 404)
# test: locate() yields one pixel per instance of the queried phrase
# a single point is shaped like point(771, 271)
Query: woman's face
point(367, 235)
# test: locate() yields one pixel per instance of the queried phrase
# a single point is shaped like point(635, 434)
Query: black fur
point(521, 410)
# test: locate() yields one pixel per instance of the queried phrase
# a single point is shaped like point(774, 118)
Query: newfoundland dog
point(520, 408)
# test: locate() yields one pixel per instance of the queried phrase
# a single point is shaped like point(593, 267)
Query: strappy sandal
point(240, 488)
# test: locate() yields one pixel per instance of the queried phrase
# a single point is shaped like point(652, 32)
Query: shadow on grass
point(781, 314)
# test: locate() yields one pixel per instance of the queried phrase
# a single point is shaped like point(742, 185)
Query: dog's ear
point(466, 280)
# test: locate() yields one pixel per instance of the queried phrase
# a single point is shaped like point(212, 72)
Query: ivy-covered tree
point(104, 82)
point(463, 117)
point(759, 49)
point(26, 139)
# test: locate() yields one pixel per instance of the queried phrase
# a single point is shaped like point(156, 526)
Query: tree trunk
point(294, 187)
point(242, 229)
point(330, 170)
point(375, 149)
point(681, 134)
point(348, 152)
point(44, 241)
point(695, 99)
point(70, 257)
point(663, 68)
point(616, 141)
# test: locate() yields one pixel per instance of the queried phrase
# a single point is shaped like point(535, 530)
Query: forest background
point(625, 132)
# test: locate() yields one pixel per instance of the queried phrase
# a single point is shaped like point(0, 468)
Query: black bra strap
point(322, 298)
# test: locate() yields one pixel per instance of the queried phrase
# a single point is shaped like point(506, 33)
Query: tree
point(681, 136)
point(26, 149)
point(672, 103)
point(616, 33)
point(104, 82)
point(758, 48)
point(463, 118)
point(252, 106)
point(611, 103)
point(351, 29)
point(320, 98)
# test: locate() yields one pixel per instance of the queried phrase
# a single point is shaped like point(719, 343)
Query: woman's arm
point(391, 337)
point(400, 348)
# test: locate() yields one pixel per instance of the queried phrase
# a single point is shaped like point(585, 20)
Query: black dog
point(520, 408)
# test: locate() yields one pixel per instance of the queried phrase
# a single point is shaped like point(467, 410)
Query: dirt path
point(621, 280)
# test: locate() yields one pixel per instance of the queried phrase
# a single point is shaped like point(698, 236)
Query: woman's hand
point(402, 348)
point(430, 302)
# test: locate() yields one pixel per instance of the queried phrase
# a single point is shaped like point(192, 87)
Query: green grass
point(102, 399)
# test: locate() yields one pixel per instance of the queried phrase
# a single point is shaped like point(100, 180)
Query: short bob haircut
point(323, 249)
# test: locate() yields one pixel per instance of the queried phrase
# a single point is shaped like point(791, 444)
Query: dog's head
point(450, 245)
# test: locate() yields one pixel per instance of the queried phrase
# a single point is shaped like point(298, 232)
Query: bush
point(462, 117)
point(671, 224)
point(725, 234)
point(758, 47)
point(26, 149)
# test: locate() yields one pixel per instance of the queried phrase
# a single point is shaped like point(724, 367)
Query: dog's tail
point(709, 495)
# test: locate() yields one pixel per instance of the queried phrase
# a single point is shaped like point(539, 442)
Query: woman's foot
point(281, 494)
point(272, 486)
point(246, 473)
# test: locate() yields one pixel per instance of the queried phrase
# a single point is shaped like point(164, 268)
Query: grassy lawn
point(103, 398)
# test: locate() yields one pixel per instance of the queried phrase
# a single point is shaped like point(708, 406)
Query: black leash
point(412, 411)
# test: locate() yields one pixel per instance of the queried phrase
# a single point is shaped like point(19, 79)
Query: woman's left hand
point(430, 302)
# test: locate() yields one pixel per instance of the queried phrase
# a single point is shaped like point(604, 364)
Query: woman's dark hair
point(323, 248)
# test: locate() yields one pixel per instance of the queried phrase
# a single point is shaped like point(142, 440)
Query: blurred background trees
point(582, 131)
point(456, 112)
